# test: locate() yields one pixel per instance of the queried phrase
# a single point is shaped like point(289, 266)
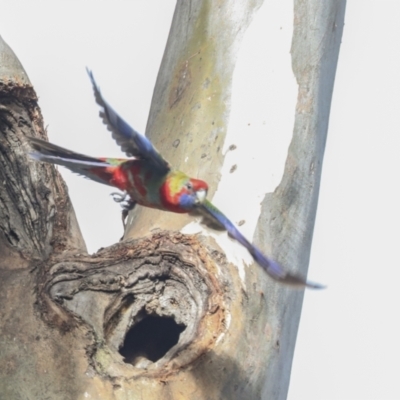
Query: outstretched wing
point(131, 142)
point(216, 219)
point(97, 169)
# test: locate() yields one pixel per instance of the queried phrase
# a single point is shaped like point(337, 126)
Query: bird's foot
point(119, 197)
point(127, 205)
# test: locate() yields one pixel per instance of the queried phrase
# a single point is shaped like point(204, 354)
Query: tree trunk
point(165, 314)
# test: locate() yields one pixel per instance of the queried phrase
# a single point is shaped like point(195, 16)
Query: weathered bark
point(161, 315)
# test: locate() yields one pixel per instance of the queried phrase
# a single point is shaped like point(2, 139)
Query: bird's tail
point(98, 169)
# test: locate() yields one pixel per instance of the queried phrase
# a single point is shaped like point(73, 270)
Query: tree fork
point(71, 323)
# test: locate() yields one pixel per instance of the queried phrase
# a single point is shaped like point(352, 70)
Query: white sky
point(348, 343)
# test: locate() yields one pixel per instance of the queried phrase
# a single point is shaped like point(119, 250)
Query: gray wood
point(65, 314)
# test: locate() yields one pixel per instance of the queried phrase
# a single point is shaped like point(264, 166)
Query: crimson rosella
point(147, 179)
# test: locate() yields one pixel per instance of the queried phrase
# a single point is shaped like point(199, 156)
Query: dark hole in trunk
point(150, 339)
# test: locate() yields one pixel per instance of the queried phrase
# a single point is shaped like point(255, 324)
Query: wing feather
point(131, 142)
point(272, 268)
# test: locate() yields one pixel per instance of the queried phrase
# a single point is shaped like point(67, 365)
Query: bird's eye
point(189, 186)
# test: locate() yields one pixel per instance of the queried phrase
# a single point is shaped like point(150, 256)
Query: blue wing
point(216, 219)
point(131, 142)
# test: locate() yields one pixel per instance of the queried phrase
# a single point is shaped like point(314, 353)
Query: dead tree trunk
point(163, 314)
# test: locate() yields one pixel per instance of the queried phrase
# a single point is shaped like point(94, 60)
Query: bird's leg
point(127, 206)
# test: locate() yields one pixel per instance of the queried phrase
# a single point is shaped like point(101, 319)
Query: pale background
point(348, 343)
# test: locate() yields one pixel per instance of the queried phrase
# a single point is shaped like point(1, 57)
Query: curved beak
point(201, 195)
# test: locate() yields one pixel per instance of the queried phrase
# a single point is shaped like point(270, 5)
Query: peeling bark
point(161, 315)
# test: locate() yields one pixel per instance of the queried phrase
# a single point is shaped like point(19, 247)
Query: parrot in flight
point(148, 179)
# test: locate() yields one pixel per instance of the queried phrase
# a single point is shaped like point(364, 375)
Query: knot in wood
point(153, 304)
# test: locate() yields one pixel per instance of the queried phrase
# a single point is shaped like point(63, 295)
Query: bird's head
point(183, 193)
point(196, 188)
point(193, 191)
